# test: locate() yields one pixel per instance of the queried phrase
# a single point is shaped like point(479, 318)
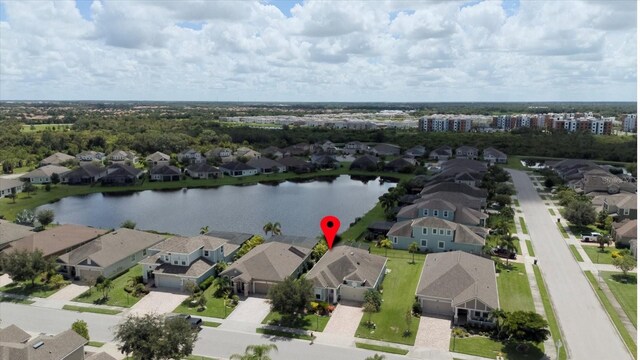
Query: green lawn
point(311, 322)
point(523, 225)
point(513, 162)
point(625, 289)
point(513, 287)
point(562, 230)
point(530, 248)
point(628, 340)
point(553, 213)
point(9, 209)
point(356, 231)
point(576, 254)
point(283, 334)
point(40, 289)
point(42, 127)
point(211, 324)
point(399, 287)
point(90, 309)
point(549, 312)
point(214, 307)
point(516, 202)
point(489, 348)
point(95, 344)
point(597, 256)
point(577, 231)
point(387, 349)
point(117, 295)
point(15, 300)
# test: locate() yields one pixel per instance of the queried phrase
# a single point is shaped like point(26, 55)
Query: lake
point(298, 207)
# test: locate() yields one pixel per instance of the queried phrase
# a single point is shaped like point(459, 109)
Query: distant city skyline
point(319, 51)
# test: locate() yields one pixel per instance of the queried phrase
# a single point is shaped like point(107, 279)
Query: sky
point(315, 51)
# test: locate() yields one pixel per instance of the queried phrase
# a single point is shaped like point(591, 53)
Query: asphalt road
point(587, 329)
point(212, 342)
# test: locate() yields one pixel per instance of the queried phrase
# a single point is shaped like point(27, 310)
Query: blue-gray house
point(435, 235)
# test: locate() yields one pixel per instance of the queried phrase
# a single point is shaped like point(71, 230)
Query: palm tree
point(603, 240)
point(386, 244)
point(413, 249)
point(387, 201)
point(267, 228)
point(508, 242)
point(277, 229)
point(256, 352)
point(105, 286)
point(204, 229)
point(499, 315)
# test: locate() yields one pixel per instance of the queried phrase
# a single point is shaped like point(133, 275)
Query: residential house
point(402, 164)
point(158, 158)
point(266, 165)
point(459, 285)
point(625, 231)
point(455, 188)
point(122, 157)
point(273, 152)
point(346, 273)
point(493, 155)
point(416, 151)
point(190, 156)
point(85, 174)
point(385, 150)
point(223, 155)
point(433, 234)
point(121, 174)
point(17, 344)
point(298, 241)
point(57, 240)
point(324, 161)
point(56, 159)
point(232, 238)
point(10, 186)
point(467, 152)
point(179, 260)
point(441, 153)
point(42, 175)
point(443, 209)
point(623, 206)
point(238, 169)
point(108, 255)
point(464, 171)
point(265, 265)
point(365, 162)
point(90, 155)
point(165, 172)
point(245, 152)
point(296, 164)
point(203, 171)
point(326, 147)
point(459, 198)
point(602, 181)
point(10, 232)
point(356, 147)
point(301, 149)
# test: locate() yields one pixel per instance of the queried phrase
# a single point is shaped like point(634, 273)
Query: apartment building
point(444, 124)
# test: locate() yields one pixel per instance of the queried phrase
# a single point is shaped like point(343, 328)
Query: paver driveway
point(251, 310)
point(69, 292)
point(344, 320)
point(434, 332)
point(159, 302)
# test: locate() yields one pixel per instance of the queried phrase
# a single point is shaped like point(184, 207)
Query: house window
point(144, 252)
point(441, 231)
point(423, 242)
point(424, 231)
point(318, 297)
point(395, 239)
point(206, 253)
point(445, 213)
point(449, 232)
point(435, 212)
point(440, 244)
point(434, 231)
point(175, 262)
point(626, 211)
point(184, 262)
point(478, 314)
point(166, 258)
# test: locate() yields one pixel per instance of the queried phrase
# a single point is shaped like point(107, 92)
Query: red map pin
point(330, 226)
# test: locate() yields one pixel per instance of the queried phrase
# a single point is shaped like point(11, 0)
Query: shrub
point(417, 307)
point(207, 283)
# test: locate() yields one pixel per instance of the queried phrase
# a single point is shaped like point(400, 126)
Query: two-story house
point(493, 155)
point(179, 260)
point(190, 156)
point(90, 155)
point(356, 147)
point(441, 153)
point(435, 235)
point(443, 209)
point(122, 157)
point(467, 152)
point(158, 158)
point(622, 206)
point(223, 155)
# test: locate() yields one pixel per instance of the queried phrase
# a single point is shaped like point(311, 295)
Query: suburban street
point(586, 327)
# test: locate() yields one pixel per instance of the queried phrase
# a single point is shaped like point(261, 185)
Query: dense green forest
point(21, 148)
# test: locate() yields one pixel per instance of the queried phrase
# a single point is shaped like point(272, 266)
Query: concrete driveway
point(5, 280)
point(69, 292)
point(344, 320)
point(159, 302)
point(434, 332)
point(250, 310)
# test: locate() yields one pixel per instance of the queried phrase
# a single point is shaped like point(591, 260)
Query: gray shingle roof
point(272, 261)
point(165, 170)
point(56, 159)
point(56, 347)
point(346, 263)
point(459, 276)
point(236, 166)
point(57, 239)
point(462, 233)
point(10, 232)
point(455, 187)
point(13, 334)
point(263, 163)
point(45, 171)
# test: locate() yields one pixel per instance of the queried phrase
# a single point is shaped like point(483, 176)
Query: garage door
point(170, 282)
point(440, 307)
point(262, 288)
point(352, 294)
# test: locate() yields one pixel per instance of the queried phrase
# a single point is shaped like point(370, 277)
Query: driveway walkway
point(587, 329)
point(159, 302)
point(69, 292)
point(5, 280)
point(251, 310)
point(344, 320)
point(434, 332)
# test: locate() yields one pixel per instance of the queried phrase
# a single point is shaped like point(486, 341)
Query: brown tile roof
point(57, 239)
point(459, 276)
point(271, 261)
point(346, 263)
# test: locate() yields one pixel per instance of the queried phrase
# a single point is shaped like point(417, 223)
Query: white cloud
point(326, 51)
